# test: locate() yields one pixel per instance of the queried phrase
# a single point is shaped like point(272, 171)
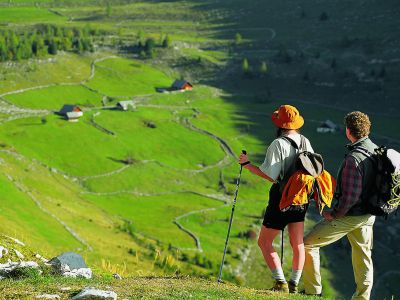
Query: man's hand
point(327, 215)
point(243, 158)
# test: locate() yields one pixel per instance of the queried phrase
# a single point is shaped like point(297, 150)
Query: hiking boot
point(280, 286)
point(293, 289)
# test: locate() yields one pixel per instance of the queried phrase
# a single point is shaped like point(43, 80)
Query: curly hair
point(358, 123)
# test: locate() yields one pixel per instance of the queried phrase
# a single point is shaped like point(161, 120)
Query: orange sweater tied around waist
point(301, 186)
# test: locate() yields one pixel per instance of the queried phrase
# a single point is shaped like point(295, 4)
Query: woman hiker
point(278, 162)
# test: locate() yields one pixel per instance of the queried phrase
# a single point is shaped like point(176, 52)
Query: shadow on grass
point(299, 48)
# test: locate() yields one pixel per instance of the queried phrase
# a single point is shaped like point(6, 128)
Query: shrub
point(20, 273)
point(238, 38)
point(150, 124)
point(129, 160)
point(245, 66)
point(166, 43)
point(263, 68)
point(249, 234)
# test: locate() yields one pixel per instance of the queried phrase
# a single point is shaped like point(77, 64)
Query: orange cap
point(287, 117)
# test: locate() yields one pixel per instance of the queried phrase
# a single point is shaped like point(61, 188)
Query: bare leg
point(296, 234)
point(267, 236)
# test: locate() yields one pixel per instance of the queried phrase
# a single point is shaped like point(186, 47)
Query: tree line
point(44, 40)
point(147, 47)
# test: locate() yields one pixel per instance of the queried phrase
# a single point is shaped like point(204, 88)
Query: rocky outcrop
point(71, 264)
point(94, 294)
point(16, 259)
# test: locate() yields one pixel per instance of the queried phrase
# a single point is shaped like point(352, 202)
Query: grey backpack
point(311, 163)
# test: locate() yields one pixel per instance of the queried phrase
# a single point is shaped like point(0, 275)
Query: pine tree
point(150, 45)
point(13, 40)
point(263, 68)
point(3, 49)
point(68, 33)
point(85, 45)
point(41, 48)
point(18, 54)
point(108, 9)
point(26, 49)
point(78, 33)
point(140, 38)
point(52, 47)
point(66, 44)
point(79, 45)
point(238, 38)
point(245, 66)
point(166, 42)
point(58, 31)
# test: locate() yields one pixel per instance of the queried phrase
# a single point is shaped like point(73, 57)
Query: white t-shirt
point(280, 156)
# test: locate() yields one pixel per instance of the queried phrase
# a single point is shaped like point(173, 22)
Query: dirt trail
point(92, 73)
point(196, 239)
point(229, 153)
point(17, 112)
point(20, 186)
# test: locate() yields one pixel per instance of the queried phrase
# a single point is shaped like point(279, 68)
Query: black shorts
point(276, 219)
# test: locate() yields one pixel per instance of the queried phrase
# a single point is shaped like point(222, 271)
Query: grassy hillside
point(167, 190)
point(31, 284)
point(145, 288)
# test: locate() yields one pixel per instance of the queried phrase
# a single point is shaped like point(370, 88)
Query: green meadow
point(55, 97)
point(122, 77)
point(129, 188)
point(28, 15)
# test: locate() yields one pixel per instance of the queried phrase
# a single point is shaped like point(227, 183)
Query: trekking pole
point(282, 247)
point(230, 221)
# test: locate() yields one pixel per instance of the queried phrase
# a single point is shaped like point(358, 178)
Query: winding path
point(224, 145)
point(26, 191)
point(38, 87)
point(221, 198)
point(229, 153)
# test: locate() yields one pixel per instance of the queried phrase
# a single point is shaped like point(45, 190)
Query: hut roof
point(68, 108)
point(179, 84)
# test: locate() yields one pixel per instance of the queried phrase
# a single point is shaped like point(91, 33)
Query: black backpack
point(383, 195)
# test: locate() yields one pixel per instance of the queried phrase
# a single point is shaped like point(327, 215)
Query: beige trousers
point(359, 232)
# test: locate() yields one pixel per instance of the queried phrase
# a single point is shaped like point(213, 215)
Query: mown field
point(168, 189)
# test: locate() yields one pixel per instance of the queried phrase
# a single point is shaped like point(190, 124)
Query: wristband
point(245, 163)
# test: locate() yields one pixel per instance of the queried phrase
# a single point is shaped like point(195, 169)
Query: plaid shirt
point(351, 187)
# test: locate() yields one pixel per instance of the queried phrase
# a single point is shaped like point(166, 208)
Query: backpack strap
point(290, 141)
point(363, 151)
point(303, 143)
point(298, 149)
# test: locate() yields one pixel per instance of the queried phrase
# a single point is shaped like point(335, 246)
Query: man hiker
point(280, 156)
point(348, 217)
